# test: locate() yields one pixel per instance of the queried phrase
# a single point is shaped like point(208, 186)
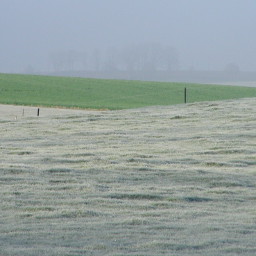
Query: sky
point(207, 34)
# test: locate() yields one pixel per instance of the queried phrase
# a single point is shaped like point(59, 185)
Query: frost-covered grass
point(177, 180)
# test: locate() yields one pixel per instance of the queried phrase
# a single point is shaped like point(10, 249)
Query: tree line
point(148, 57)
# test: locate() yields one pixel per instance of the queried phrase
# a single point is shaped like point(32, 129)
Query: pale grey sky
point(208, 34)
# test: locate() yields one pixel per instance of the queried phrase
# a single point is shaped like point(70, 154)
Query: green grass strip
point(70, 92)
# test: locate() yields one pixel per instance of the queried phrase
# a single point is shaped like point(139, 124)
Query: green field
point(107, 94)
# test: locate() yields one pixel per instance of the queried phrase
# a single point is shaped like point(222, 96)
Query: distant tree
point(232, 68)
point(83, 58)
point(149, 57)
point(112, 59)
point(96, 57)
point(29, 70)
point(71, 57)
point(68, 60)
point(57, 60)
point(129, 58)
point(170, 58)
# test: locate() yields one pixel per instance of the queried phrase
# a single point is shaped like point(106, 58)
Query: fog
point(94, 35)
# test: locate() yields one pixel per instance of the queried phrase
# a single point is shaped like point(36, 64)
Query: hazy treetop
point(207, 34)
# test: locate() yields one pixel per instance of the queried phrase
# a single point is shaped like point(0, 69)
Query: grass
point(107, 94)
point(168, 180)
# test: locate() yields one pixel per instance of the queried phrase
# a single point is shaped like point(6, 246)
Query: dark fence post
point(185, 95)
point(38, 110)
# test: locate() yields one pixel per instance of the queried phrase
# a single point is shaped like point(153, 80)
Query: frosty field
point(173, 180)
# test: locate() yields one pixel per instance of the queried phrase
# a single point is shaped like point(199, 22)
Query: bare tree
point(96, 59)
point(150, 57)
point(111, 60)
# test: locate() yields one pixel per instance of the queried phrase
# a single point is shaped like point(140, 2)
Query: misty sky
point(208, 34)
